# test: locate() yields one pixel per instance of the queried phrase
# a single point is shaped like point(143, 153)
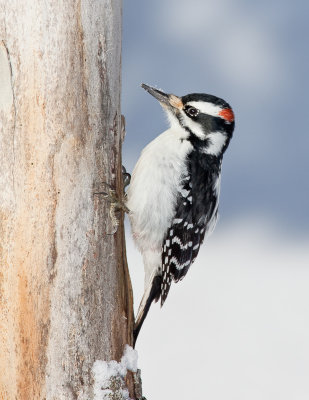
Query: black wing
point(196, 212)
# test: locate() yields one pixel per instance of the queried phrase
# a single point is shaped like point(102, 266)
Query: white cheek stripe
point(193, 126)
point(206, 107)
point(217, 141)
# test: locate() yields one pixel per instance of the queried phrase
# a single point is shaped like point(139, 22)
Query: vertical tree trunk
point(65, 293)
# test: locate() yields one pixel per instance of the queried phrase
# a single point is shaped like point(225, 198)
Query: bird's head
point(204, 117)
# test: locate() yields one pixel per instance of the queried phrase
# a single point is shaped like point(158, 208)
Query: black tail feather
point(153, 295)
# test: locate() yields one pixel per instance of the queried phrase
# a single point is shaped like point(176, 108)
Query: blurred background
point(237, 326)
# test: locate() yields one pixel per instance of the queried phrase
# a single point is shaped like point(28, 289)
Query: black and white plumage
point(174, 190)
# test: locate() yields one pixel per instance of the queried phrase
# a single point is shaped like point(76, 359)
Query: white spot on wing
point(184, 192)
point(178, 241)
point(178, 265)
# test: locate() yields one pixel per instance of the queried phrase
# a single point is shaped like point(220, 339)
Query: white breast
point(154, 185)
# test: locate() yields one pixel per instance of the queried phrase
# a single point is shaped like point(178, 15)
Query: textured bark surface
point(65, 293)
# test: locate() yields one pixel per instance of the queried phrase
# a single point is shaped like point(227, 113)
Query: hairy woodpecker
point(174, 189)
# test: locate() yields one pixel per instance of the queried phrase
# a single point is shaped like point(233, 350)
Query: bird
point(173, 195)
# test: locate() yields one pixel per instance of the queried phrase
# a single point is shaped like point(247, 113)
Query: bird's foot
point(116, 205)
point(111, 196)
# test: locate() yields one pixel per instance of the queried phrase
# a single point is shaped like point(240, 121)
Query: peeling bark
point(65, 291)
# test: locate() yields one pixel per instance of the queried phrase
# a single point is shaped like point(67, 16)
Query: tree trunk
point(65, 292)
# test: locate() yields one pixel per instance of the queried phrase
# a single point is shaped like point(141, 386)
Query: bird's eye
point(192, 111)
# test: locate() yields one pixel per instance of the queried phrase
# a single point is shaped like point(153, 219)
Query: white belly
point(154, 186)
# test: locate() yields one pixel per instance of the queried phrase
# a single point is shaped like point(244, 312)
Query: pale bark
point(65, 293)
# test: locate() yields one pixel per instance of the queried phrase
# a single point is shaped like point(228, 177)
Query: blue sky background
point(254, 55)
point(240, 318)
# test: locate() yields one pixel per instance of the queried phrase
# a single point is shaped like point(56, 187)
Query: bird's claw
point(116, 204)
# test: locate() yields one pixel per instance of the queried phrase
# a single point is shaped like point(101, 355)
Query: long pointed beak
point(165, 99)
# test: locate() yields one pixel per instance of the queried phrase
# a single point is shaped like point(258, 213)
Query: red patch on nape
point(227, 114)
